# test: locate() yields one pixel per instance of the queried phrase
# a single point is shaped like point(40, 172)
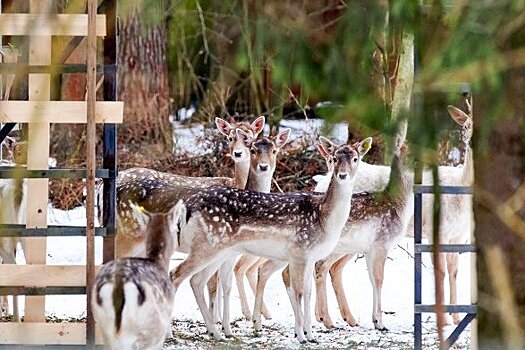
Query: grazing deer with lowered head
point(141, 189)
point(299, 228)
point(133, 297)
point(13, 194)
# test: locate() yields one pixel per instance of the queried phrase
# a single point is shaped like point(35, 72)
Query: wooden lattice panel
point(40, 25)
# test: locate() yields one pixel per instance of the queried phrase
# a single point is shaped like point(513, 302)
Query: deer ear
point(282, 137)
point(257, 126)
point(242, 135)
point(322, 150)
point(328, 146)
point(458, 115)
point(364, 146)
point(223, 126)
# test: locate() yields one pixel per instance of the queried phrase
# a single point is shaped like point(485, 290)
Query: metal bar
point(446, 248)
point(468, 309)
point(111, 46)
point(42, 290)
point(55, 173)
point(14, 230)
point(24, 68)
point(418, 227)
point(427, 189)
point(452, 338)
point(6, 129)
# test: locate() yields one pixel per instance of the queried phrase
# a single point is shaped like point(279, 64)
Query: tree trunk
point(143, 80)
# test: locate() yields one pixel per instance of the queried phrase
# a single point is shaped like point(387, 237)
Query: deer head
point(264, 152)
point(344, 160)
point(240, 146)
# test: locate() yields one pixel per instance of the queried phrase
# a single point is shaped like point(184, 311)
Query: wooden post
point(91, 165)
point(37, 157)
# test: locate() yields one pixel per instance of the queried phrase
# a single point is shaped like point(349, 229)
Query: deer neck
point(259, 182)
point(468, 167)
point(241, 174)
point(160, 244)
point(335, 207)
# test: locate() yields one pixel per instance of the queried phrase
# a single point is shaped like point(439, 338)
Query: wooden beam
point(59, 111)
point(43, 275)
point(37, 155)
point(91, 164)
point(49, 24)
point(39, 333)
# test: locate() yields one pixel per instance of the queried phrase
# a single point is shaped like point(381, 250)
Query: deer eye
point(230, 138)
point(274, 151)
point(355, 159)
point(252, 151)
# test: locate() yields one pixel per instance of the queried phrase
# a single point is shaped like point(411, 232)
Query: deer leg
point(375, 261)
point(197, 282)
point(252, 276)
point(297, 278)
point(240, 270)
point(225, 273)
point(321, 302)
point(264, 272)
point(308, 273)
point(205, 257)
point(213, 296)
point(452, 267)
point(336, 273)
point(8, 256)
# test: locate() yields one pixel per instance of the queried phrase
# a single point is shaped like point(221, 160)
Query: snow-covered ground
point(189, 329)
point(190, 332)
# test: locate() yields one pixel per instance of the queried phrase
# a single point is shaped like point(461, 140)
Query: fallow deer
point(141, 189)
point(13, 194)
point(263, 159)
point(299, 228)
point(262, 166)
point(456, 223)
point(133, 297)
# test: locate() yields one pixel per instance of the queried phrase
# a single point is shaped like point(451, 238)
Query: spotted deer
point(13, 194)
point(142, 189)
point(456, 223)
point(133, 297)
point(264, 156)
point(263, 161)
point(299, 228)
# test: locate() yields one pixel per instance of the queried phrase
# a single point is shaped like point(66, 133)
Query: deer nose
point(237, 154)
point(343, 176)
point(263, 167)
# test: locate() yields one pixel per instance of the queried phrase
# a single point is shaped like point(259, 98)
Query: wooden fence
point(36, 278)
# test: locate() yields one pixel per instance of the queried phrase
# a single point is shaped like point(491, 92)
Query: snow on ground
point(190, 332)
point(189, 329)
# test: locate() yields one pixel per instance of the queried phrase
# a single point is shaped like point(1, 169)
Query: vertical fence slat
point(37, 158)
point(91, 166)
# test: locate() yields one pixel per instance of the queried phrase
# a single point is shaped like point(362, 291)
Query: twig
point(203, 27)
point(409, 254)
point(277, 185)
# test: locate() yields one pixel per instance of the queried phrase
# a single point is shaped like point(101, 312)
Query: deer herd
point(235, 226)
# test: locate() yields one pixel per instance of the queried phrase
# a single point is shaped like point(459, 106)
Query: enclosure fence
point(37, 279)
